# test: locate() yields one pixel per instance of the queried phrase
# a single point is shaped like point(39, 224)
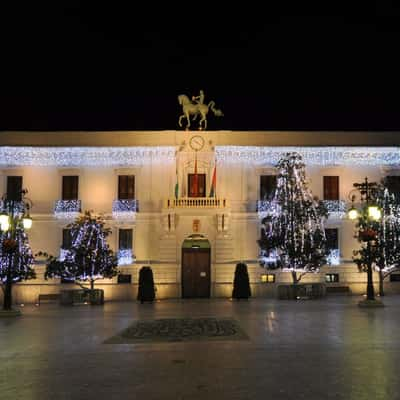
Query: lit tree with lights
point(89, 257)
point(16, 260)
point(380, 237)
point(294, 232)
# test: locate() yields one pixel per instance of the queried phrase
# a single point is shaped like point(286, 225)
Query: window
point(268, 278)
point(330, 278)
point(70, 187)
point(394, 277)
point(332, 238)
point(393, 184)
point(124, 278)
point(200, 191)
point(14, 188)
point(331, 188)
point(126, 187)
point(66, 239)
point(267, 186)
point(125, 239)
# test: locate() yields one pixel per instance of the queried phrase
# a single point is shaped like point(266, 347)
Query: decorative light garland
point(334, 257)
point(311, 155)
point(125, 257)
point(85, 156)
point(124, 209)
point(66, 209)
point(336, 208)
point(19, 207)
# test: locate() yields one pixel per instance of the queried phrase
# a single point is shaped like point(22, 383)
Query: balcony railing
point(336, 208)
point(125, 257)
point(197, 202)
point(124, 209)
point(267, 207)
point(66, 209)
point(18, 207)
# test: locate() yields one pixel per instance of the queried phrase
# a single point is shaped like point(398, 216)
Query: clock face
point(196, 142)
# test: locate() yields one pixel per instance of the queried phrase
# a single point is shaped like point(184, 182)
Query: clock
point(196, 143)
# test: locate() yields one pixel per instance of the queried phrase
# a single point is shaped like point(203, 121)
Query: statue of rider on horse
point(196, 107)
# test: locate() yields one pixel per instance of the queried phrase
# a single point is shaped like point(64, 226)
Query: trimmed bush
point(146, 290)
point(241, 283)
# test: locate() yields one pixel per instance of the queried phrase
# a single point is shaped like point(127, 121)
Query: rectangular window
point(332, 238)
point(125, 239)
point(200, 191)
point(70, 187)
point(66, 239)
point(330, 278)
point(126, 187)
point(268, 278)
point(267, 186)
point(393, 184)
point(124, 278)
point(331, 188)
point(14, 188)
point(394, 277)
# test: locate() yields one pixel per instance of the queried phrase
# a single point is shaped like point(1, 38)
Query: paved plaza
point(325, 349)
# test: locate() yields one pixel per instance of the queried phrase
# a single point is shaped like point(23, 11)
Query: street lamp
point(14, 214)
point(369, 214)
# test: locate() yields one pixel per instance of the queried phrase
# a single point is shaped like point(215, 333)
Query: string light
point(311, 155)
point(336, 208)
point(85, 156)
point(124, 209)
point(125, 257)
point(333, 257)
point(66, 209)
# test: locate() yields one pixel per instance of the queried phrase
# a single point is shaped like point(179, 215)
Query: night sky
point(105, 67)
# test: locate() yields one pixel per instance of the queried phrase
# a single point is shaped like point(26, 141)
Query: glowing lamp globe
point(353, 214)
point(374, 213)
point(27, 222)
point(5, 225)
point(4, 218)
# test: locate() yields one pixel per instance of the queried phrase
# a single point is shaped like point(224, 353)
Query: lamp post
point(14, 214)
point(369, 214)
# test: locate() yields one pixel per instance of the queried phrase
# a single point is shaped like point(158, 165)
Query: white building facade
point(142, 182)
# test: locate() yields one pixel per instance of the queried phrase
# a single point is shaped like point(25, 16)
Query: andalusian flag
point(213, 188)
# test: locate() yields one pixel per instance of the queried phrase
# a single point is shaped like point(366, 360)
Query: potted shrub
point(241, 283)
point(146, 291)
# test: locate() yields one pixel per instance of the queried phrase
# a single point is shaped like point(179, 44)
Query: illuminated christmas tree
point(293, 233)
point(89, 257)
point(380, 237)
point(16, 261)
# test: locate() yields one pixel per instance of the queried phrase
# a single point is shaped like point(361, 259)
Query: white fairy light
point(85, 156)
point(67, 209)
point(124, 209)
point(336, 208)
point(334, 257)
point(268, 155)
point(125, 257)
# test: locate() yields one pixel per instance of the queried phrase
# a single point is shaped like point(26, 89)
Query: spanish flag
point(213, 188)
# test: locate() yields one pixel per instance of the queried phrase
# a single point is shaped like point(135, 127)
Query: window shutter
point(267, 186)
point(331, 188)
point(14, 188)
point(70, 187)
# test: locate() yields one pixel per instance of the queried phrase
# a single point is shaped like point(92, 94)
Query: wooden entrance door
point(195, 273)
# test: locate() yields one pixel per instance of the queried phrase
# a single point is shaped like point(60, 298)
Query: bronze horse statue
point(194, 109)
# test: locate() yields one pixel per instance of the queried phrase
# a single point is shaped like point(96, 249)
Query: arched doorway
point(196, 267)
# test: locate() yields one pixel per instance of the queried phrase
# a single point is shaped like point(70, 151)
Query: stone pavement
point(325, 349)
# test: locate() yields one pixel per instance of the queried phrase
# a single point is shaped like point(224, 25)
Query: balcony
point(124, 209)
point(266, 207)
point(336, 208)
point(125, 257)
point(197, 202)
point(67, 209)
point(18, 207)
